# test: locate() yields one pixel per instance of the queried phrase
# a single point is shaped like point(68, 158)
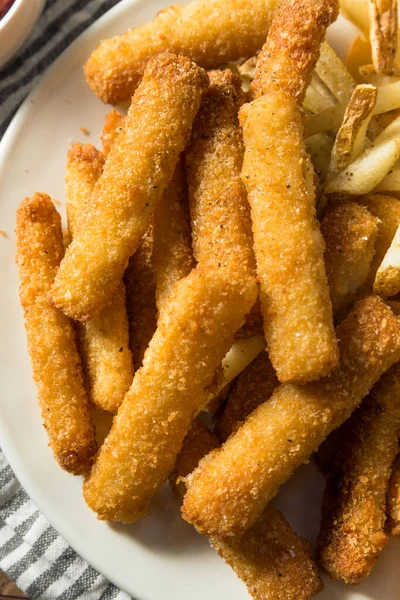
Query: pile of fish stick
point(227, 283)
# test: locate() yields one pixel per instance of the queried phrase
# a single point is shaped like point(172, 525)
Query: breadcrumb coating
point(210, 32)
point(220, 212)
point(288, 244)
point(354, 509)
point(194, 333)
point(56, 365)
point(172, 255)
point(288, 57)
point(232, 486)
point(253, 386)
point(137, 171)
point(113, 126)
point(393, 500)
point(104, 340)
point(350, 232)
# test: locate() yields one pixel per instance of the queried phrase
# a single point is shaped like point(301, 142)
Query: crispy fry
point(390, 183)
point(317, 97)
point(319, 147)
point(288, 244)
point(231, 487)
point(220, 213)
point(104, 340)
point(112, 129)
point(141, 299)
point(383, 34)
point(387, 278)
point(270, 558)
point(358, 54)
point(172, 256)
point(387, 209)
point(56, 365)
point(350, 139)
point(356, 11)
point(334, 74)
point(194, 333)
point(138, 169)
point(368, 73)
point(354, 510)
point(253, 386)
point(393, 500)
point(289, 56)
point(210, 32)
point(350, 232)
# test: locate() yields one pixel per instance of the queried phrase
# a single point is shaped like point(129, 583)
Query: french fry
point(172, 256)
point(138, 169)
point(356, 11)
point(387, 209)
point(288, 244)
point(358, 55)
point(232, 486)
point(330, 118)
point(208, 31)
point(387, 278)
point(393, 500)
point(56, 365)
point(350, 139)
point(112, 128)
point(317, 97)
point(369, 75)
point(388, 98)
point(104, 340)
point(365, 173)
point(220, 213)
point(193, 335)
point(331, 70)
point(141, 298)
point(350, 232)
point(319, 147)
point(390, 183)
point(288, 58)
point(383, 34)
point(253, 386)
point(354, 509)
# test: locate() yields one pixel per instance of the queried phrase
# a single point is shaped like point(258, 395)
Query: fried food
point(253, 386)
point(112, 128)
point(141, 298)
point(104, 340)
point(270, 558)
point(354, 509)
point(231, 487)
point(220, 213)
point(358, 55)
point(350, 232)
point(194, 333)
point(331, 70)
point(387, 278)
point(138, 169)
point(289, 248)
point(172, 256)
point(56, 365)
point(383, 34)
point(210, 32)
point(288, 58)
point(393, 500)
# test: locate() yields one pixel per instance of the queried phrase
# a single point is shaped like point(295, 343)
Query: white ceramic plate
point(161, 557)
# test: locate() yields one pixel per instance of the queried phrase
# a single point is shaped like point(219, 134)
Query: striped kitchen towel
point(31, 552)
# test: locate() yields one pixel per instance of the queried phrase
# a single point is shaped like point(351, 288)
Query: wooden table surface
point(8, 589)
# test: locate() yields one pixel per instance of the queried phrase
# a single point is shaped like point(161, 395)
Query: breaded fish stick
point(288, 244)
point(220, 213)
point(288, 58)
point(138, 169)
point(141, 298)
point(393, 500)
point(172, 256)
point(253, 387)
point(112, 127)
point(194, 333)
point(210, 32)
point(270, 558)
point(231, 487)
point(105, 339)
point(350, 232)
point(56, 364)
point(354, 509)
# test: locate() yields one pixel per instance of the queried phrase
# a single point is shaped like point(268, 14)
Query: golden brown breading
point(354, 509)
point(288, 244)
point(112, 128)
point(270, 558)
point(288, 57)
point(104, 340)
point(232, 486)
point(350, 232)
point(172, 255)
point(253, 386)
point(194, 333)
point(210, 32)
point(220, 213)
point(393, 500)
point(138, 169)
point(56, 365)
point(141, 298)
